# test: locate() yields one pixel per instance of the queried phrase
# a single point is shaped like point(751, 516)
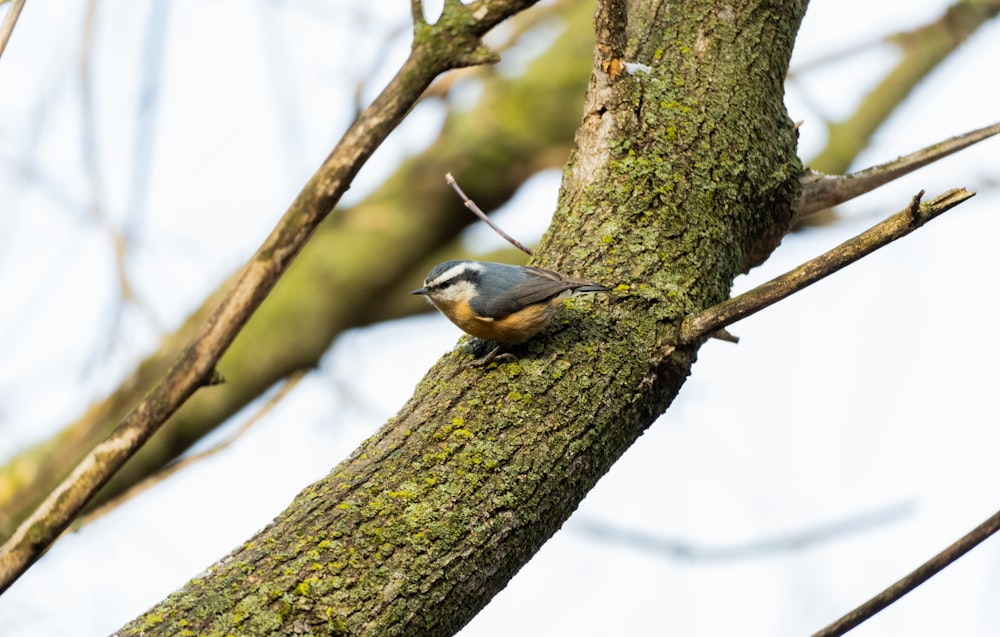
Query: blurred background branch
point(694, 551)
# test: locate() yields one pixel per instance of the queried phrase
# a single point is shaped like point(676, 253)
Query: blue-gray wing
point(516, 287)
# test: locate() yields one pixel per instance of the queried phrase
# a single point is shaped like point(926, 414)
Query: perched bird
point(498, 302)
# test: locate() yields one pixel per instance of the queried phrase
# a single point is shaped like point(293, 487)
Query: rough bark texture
point(684, 176)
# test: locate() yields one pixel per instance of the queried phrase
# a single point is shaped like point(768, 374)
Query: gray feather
point(505, 289)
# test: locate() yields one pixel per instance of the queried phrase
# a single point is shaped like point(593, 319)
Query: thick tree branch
point(923, 573)
point(453, 41)
point(898, 225)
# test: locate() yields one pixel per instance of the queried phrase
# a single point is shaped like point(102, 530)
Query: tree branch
point(821, 191)
point(923, 573)
point(476, 210)
point(898, 225)
point(9, 20)
point(187, 461)
point(453, 41)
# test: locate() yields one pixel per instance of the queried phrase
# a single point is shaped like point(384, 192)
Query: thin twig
point(9, 20)
point(439, 49)
point(820, 191)
point(923, 573)
point(898, 225)
point(471, 205)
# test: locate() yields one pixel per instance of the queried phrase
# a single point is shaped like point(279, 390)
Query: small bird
point(497, 302)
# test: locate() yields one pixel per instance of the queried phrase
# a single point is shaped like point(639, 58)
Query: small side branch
point(476, 210)
point(820, 191)
point(898, 225)
point(923, 573)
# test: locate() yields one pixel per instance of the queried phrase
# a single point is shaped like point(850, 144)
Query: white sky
point(871, 390)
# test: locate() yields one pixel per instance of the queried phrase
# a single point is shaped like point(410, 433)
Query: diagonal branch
point(476, 210)
point(820, 191)
point(9, 20)
point(923, 573)
point(898, 225)
point(187, 461)
point(455, 40)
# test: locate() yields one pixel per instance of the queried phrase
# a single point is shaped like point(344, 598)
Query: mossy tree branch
point(433, 515)
point(281, 339)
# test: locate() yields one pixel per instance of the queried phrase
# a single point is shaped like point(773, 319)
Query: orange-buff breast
point(513, 329)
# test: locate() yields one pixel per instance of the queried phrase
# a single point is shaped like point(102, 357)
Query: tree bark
point(683, 177)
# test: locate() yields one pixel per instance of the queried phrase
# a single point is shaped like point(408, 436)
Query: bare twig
point(820, 191)
point(9, 20)
point(923, 573)
point(436, 50)
point(471, 205)
point(898, 225)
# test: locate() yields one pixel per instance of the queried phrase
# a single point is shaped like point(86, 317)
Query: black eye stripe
point(465, 275)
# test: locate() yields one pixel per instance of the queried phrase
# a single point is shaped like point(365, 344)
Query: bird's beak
point(420, 291)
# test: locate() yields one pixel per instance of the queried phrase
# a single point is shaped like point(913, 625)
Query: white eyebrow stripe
point(456, 270)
